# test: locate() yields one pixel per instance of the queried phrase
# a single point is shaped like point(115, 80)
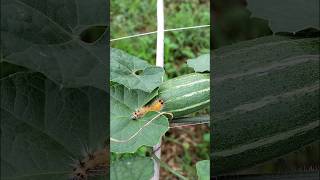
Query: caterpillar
point(94, 164)
point(157, 106)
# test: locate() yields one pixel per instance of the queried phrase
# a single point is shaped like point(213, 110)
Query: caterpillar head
point(135, 115)
point(161, 101)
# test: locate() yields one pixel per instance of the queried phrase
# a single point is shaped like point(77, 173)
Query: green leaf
point(44, 125)
point(201, 63)
point(53, 86)
point(287, 15)
point(137, 168)
point(203, 170)
point(265, 95)
point(49, 41)
point(123, 103)
point(133, 72)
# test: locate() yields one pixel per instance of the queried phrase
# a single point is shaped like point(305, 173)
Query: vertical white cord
point(159, 62)
point(160, 33)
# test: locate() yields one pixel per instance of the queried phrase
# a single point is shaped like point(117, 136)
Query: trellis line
point(166, 30)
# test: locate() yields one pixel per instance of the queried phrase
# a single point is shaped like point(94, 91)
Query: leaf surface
point(203, 170)
point(133, 72)
point(123, 103)
point(201, 63)
point(53, 89)
point(137, 168)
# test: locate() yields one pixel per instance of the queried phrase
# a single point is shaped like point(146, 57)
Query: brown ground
point(181, 148)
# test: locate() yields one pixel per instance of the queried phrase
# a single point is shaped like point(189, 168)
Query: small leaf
point(137, 168)
point(201, 63)
point(123, 103)
point(203, 170)
point(133, 72)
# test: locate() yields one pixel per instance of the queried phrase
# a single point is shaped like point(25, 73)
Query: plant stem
point(168, 168)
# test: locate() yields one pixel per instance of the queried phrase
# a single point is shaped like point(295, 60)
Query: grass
point(139, 16)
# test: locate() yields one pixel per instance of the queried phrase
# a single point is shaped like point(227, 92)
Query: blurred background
point(139, 16)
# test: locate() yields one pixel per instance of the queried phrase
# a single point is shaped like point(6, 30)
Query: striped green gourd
point(186, 94)
point(266, 101)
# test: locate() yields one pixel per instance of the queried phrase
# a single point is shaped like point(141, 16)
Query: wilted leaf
point(133, 72)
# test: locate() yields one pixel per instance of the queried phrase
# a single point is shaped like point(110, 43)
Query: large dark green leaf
point(287, 15)
point(53, 86)
point(123, 103)
point(43, 126)
point(265, 104)
point(133, 72)
point(137, 168)
point(44, 36)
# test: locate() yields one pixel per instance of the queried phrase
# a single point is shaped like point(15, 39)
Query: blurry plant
point(178, 46)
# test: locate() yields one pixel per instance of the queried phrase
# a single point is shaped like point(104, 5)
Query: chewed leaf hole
point(138, 72)
point(92, 34)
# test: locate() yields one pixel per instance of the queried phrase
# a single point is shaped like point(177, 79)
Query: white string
point(166, 30)
point(140, 129)
point(159, 62)
point(183, 125)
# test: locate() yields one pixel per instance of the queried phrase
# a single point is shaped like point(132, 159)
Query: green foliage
point(201, 63)
point(53, 91)
point(132, 17)
point(134, 73)
point(203, 170)
point(135, 168)
point(123, 103)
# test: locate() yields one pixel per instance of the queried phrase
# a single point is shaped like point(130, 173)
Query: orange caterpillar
point(93, 164)
point(157, 106)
